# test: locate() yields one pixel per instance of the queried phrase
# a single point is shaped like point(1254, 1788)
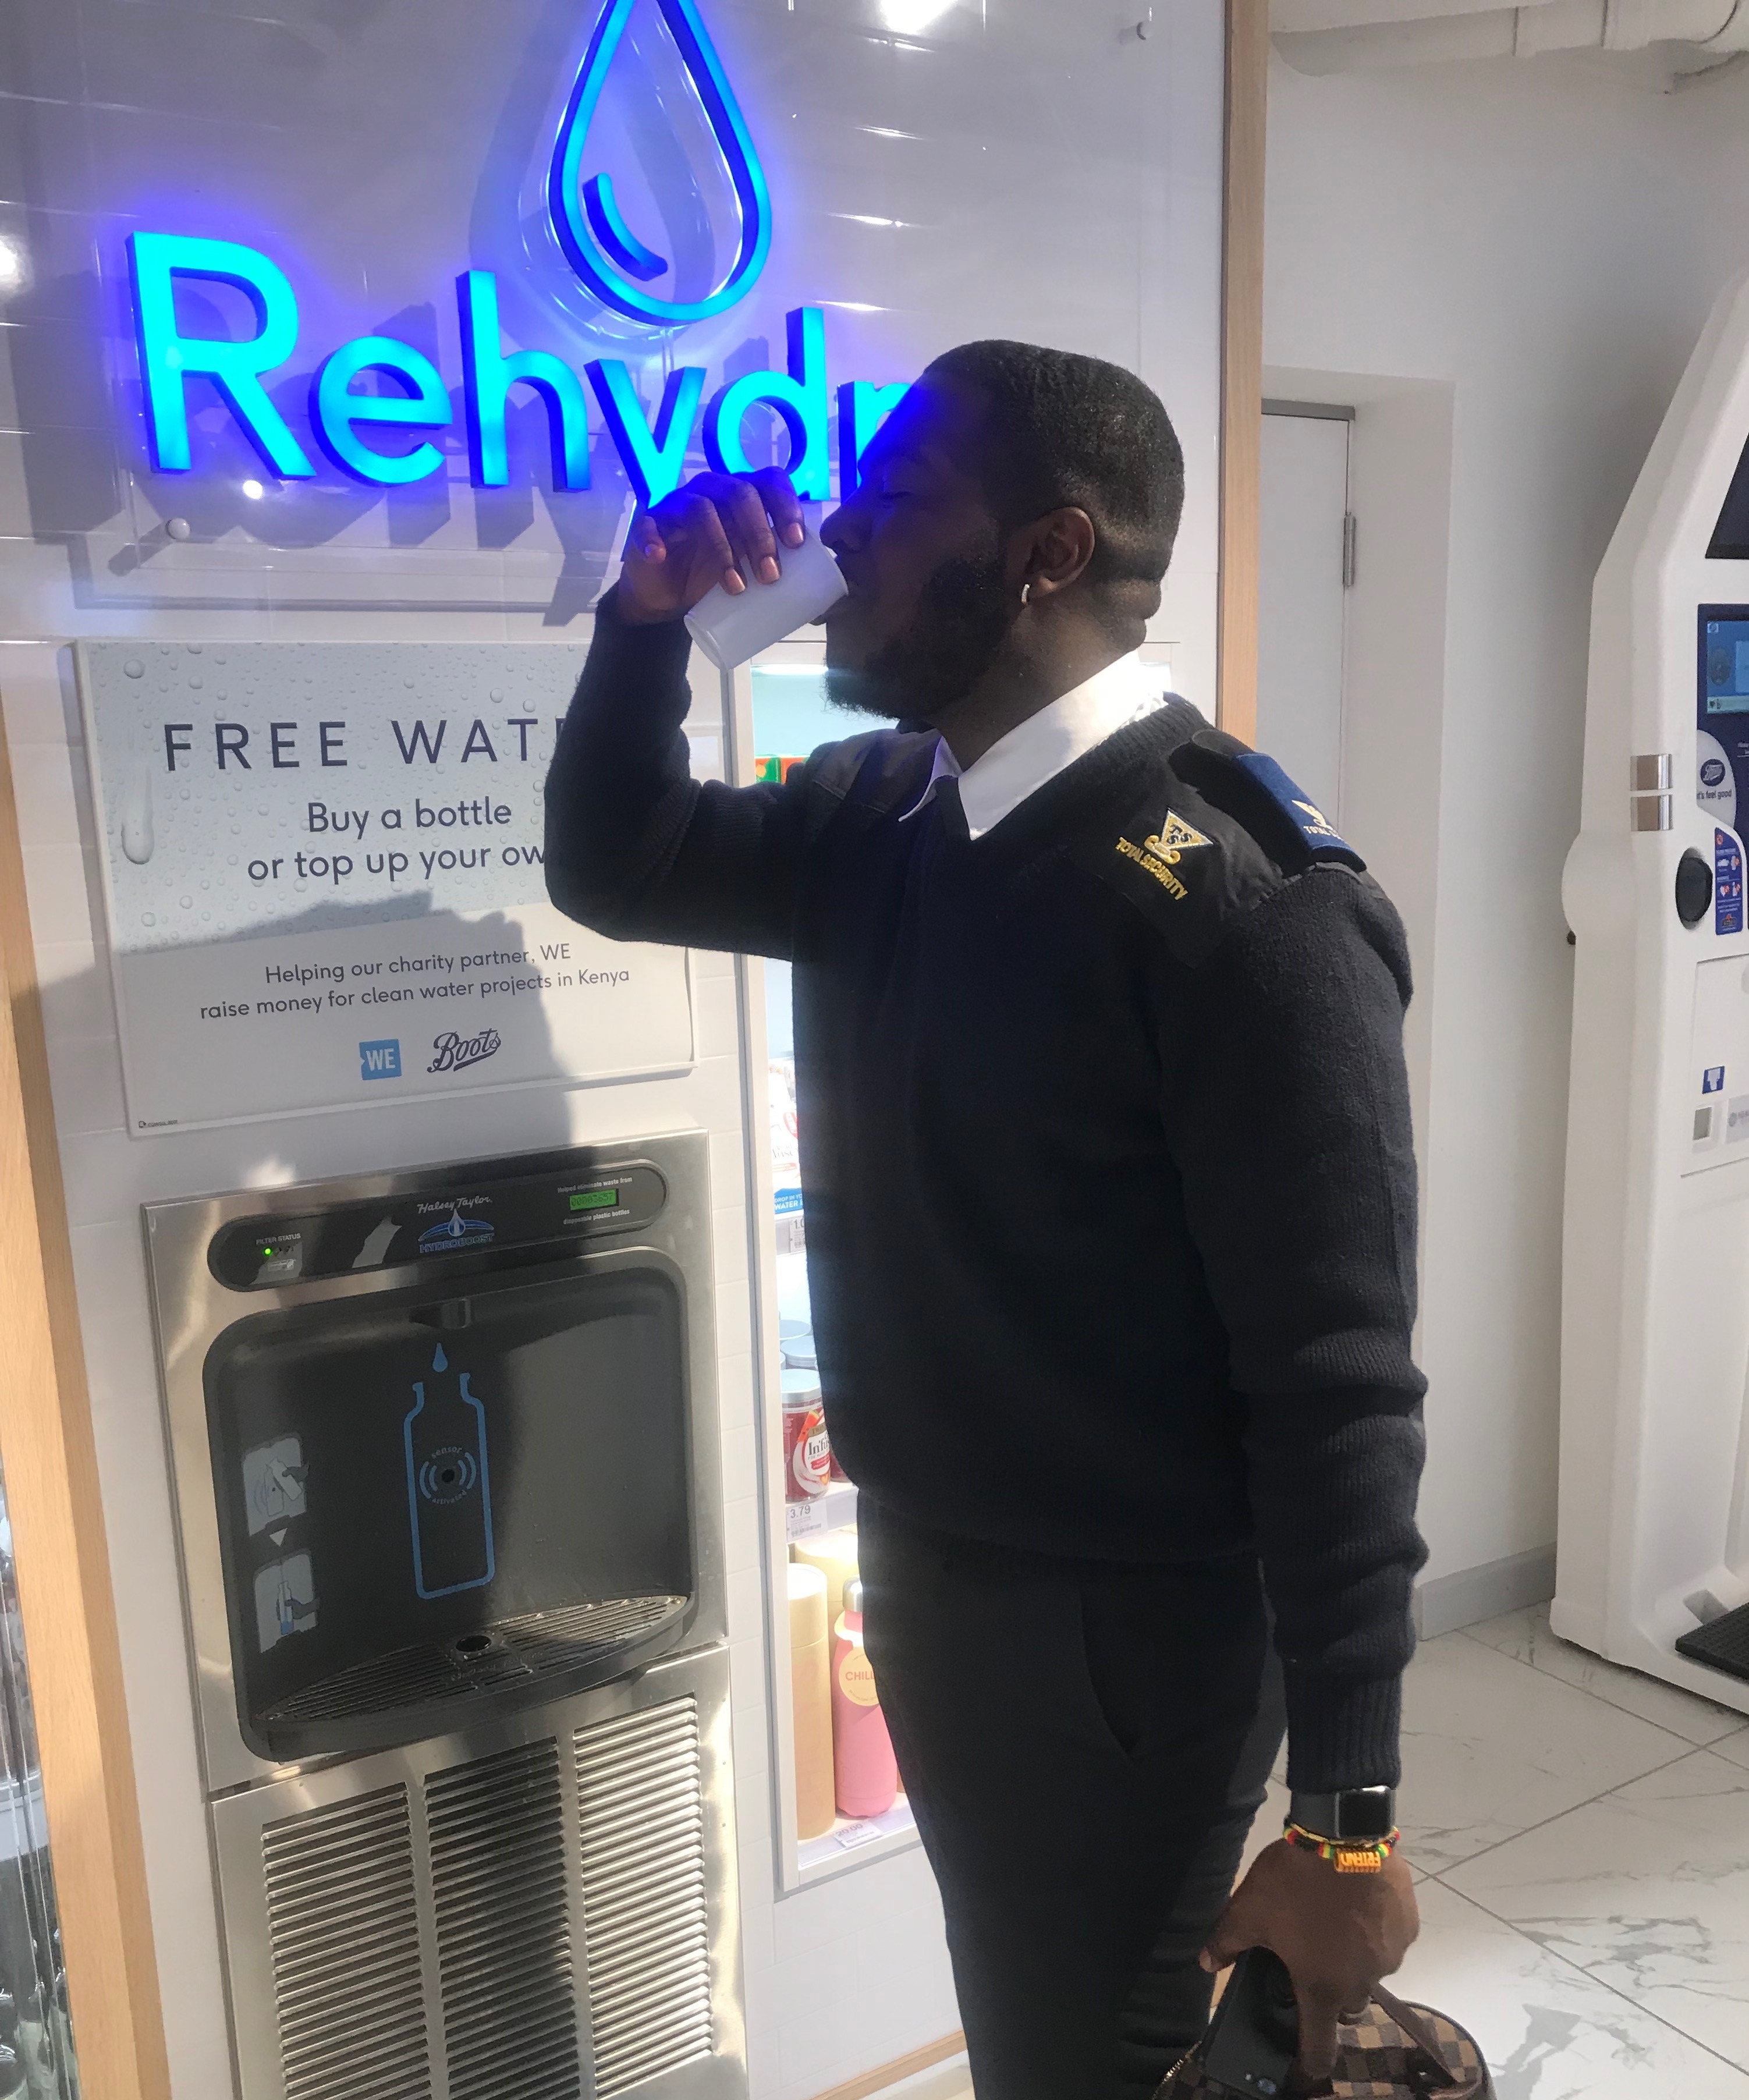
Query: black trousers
point(1084, 1746)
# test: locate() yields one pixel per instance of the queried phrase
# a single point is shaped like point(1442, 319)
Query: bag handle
point(1457, 2087)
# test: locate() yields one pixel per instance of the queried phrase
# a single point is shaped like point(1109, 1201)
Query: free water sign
point(383, 436)
point(323, 868)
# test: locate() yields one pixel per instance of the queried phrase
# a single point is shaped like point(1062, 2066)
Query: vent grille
point(343, 1928)
point(503, 1938)
point(533, 1646)
point(646, 1919)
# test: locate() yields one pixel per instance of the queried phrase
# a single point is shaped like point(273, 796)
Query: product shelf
point(830, 1512)
point(851, 1842)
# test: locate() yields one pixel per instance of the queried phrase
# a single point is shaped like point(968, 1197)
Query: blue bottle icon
point(601, 247)
point(448, 1488)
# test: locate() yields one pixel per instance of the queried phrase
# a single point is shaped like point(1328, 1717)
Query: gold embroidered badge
point(1156, 864)
point(1174, 837)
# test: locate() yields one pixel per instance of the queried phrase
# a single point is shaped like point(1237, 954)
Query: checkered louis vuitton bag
point(1392, 2052)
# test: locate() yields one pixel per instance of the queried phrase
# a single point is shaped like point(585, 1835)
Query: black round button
point(1694, 887)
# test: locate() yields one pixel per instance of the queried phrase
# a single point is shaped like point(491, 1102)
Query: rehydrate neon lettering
point(653, 449)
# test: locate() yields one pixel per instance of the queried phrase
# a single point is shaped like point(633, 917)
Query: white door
point(1304, 556)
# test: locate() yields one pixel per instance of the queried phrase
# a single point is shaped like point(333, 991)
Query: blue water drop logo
point(609, 257)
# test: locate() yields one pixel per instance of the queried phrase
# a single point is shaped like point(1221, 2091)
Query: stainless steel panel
point(496, 1828)
point(191, 1307)
point(1652, 771)
point(343, 1932)
point(545, 1908)
point(645, 1882)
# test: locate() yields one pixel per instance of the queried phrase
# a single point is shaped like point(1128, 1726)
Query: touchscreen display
point(1724, 669)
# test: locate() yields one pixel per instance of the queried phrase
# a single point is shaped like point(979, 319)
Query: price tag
point(850, 1835)
point(803, 1520)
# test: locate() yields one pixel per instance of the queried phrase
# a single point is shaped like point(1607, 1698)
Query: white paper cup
point(731, 628)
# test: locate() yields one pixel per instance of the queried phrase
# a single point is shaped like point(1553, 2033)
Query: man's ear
point(1055, 550)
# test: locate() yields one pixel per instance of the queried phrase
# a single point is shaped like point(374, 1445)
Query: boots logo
point(456, 1052)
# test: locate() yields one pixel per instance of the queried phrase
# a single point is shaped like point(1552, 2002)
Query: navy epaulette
point(1253, 789)
point(1211, 835)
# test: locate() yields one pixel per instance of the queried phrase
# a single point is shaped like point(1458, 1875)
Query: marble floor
point(1581, 1837)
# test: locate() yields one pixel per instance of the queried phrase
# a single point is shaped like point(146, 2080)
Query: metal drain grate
point(343, 1928)
point(646, 1919)
point(533, 1646)
point(503, 1939)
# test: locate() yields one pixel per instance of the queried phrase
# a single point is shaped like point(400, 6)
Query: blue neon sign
point(616, 264)
point(598, 244)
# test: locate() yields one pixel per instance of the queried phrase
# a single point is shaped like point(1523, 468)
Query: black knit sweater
point(1104, 1146)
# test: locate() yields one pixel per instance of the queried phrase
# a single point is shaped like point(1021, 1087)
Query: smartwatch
point(1364, 1812)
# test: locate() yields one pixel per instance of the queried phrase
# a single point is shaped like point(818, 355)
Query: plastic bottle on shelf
point(866, 1770)
point(834, 1554)
point(811, 1688)
point(796, 1339)
point(807, 1454)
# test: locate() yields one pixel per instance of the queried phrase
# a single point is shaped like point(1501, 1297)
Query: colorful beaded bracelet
point(1348, 1856)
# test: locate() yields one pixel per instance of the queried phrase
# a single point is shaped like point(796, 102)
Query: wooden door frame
point(73, 1649)
point(1248, 66)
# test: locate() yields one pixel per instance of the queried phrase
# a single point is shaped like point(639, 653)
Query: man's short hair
point(1069, 431)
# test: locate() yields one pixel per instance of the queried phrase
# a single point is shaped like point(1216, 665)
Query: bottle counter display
point(847, 1792)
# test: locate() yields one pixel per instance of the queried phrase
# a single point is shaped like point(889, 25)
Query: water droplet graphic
point(185, 902)
point(148, 918)
point(137, 839)
point(195, 684)
point(440, 1361)
point(497, 695)
point(604, 251)
point(134, 668)
point(194, 648)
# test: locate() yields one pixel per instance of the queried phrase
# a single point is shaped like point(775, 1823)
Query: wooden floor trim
point(901, 2067)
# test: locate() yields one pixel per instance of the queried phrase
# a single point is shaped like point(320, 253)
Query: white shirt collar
point(1038, 748)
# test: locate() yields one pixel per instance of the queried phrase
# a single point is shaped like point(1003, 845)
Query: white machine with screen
point(1653, 1549)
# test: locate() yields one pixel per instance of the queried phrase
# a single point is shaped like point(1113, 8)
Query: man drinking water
point(1110, 1202)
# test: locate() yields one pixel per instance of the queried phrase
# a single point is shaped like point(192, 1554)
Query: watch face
point(1366, 1812)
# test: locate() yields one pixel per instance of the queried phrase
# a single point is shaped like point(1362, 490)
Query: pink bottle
point(866, 1772)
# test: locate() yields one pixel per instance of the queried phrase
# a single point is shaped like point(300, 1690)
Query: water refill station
point(444, 1450)
point(1653, 1551)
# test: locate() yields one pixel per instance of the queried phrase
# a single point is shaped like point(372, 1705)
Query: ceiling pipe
point(1345, 36)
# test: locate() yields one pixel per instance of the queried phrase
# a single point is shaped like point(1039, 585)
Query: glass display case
point(37, 2058)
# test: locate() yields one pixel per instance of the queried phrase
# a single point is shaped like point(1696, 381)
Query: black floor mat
point(1722, 1644)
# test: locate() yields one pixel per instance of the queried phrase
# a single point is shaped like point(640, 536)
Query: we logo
point(380, 1061)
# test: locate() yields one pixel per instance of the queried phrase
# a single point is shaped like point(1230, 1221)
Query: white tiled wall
point(839, 1978)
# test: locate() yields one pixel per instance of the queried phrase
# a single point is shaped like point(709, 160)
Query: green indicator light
point(594, 1199)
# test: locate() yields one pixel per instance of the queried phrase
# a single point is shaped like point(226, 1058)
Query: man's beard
point(961, 621)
